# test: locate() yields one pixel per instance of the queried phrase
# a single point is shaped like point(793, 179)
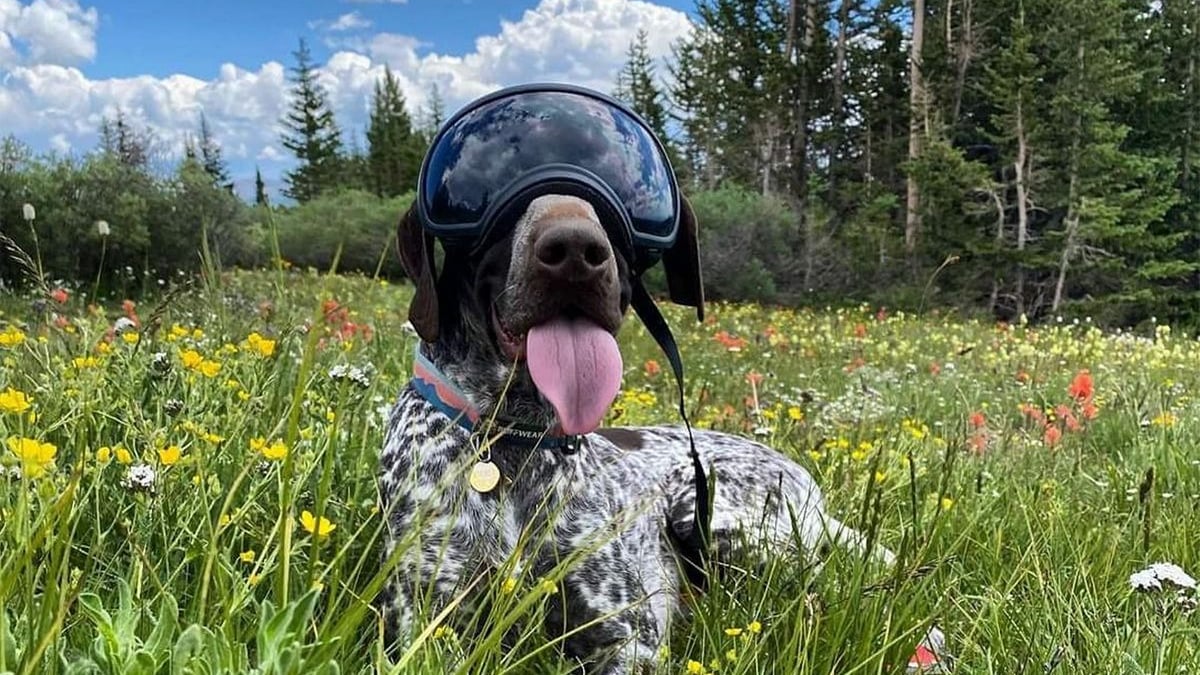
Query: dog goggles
point(504, 149)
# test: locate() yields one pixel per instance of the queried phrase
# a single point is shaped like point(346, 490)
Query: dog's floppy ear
point(416, 256)
point(681, 263)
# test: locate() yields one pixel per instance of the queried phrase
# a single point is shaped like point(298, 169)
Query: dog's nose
point(572, 251)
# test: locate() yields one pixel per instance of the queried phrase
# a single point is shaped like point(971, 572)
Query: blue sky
point(64, 64)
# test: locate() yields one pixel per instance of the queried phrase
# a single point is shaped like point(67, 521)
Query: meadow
point(187, 485)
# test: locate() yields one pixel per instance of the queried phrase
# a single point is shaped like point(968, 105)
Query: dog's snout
point(572, 251)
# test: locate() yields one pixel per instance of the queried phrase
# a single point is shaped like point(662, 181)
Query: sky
point(65, 64)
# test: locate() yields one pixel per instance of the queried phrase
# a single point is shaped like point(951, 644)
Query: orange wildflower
point(1081, 388)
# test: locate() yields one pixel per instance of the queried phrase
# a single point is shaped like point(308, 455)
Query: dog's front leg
point(614, 604)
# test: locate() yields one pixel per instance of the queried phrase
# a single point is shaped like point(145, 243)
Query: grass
point(197, 493)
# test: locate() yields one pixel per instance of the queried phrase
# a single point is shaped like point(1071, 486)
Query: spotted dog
point(526, 331)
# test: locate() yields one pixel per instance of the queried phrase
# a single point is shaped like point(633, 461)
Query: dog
point(555, 284)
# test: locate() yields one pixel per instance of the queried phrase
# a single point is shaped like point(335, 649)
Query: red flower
point(754, 377)
point(977, 420)
point(652, 368)
point(59, 295)
point(860, 330)
point(1082, 387)
point(1052, 436)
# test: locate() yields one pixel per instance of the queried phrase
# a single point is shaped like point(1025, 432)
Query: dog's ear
point(681, 262)
point(416, 256)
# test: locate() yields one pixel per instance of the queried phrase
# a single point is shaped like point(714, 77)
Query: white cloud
point(578, 41)
point(56, 32)
point(347, 22)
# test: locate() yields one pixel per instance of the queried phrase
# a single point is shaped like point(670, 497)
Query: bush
point(744, 243)
point(361, 223)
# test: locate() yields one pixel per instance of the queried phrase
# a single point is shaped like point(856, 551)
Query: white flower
point(28, 212)
point(102, 228)
point(123, 324)
point(139, 477)
point(1153, 576)
point(359, 376)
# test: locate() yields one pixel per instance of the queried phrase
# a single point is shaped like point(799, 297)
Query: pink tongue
point(577, 367)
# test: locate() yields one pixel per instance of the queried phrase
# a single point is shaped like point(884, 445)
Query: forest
point(1015, 158)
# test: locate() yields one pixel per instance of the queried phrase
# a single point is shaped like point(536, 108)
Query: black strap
point(694, 546)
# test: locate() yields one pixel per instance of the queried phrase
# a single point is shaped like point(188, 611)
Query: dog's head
point(548, 296)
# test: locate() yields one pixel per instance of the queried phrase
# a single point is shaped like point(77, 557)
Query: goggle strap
point(693, 547)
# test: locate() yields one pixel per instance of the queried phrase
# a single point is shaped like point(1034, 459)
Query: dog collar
point(433, 385)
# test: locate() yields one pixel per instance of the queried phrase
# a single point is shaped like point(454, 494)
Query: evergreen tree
point(311, 133)
point(120, 139)
point(394, 150)
point(260, 189)
point(637, 87)
point(432, 115)
point(210, 156)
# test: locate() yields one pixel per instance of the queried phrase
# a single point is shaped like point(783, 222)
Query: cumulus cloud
point(347, 22)
point(58, 32)
point(578, 41)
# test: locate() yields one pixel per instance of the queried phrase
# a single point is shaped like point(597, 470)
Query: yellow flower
point(14, 402)
point(244, 395)
point(695, 667)
point(880, 476)
point(82, 362)
point(129, 338)
point(260, 345)
point(547, 586)
point(209, 368)
point(273, 451)
point(224, 520)
point(35, 455)
point(104, 454)
point(123, 455)
point(104, 348)
point(754, 627)
point(1163, 419)
point(795, 413)
point(11, 337)
point(191, 359)
point(731, 655)
point(169, 455)
point(309, 522)
point(733, 632)
point(509, 585)
point(253, 579)
point(246, 556)
point(947, 503)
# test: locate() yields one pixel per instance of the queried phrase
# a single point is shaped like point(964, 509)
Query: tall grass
point(930, 434)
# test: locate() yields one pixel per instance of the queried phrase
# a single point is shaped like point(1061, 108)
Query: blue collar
point(441, 393)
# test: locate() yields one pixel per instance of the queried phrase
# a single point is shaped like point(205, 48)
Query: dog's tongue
point(577, 367)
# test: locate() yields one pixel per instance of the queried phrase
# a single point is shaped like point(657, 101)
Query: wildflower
point(731, 655)
point(509, 585)
point(359, 376)
point(129, 338)
point(209, 368)
point(1155, 574)
point(253, 579)
point(36, 457)
point(733, 632)
point(1082, 387)
point(880, 476)
point(754, 627)
point(795, 413)
point(246, 556)
point(123, 455)
point(102, 228)
point(104, 454)
point(139, 478)
point(83, 362)
point(28, 212)
point(1051, 436)
point(14, 402)
point(311, 525)
point(191, 359)
point(59, 295)
point(977, 420)
point(652, 368)
point(273, 451)
point(11, 337)
point(169, 456)
point(947, 503)
point(443, 632)
point(1163, 419)
point(260, 345)
point(123, 324)
point(695, 667)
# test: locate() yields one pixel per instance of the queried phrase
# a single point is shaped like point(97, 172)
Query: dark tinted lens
point(497, 143)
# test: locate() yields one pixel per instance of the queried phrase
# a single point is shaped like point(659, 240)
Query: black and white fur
point(612, 498)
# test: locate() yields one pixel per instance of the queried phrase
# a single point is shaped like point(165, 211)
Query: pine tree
point(260, 189)
point(311, 133)
point(210, 156)
point(432, 115)
point(394, 150)
point(637, 86)
point(119, 138)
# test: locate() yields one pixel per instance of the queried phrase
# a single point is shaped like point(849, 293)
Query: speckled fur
point(612, 503)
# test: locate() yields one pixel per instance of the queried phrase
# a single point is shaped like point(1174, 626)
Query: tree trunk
point(964, 52)
point(916, 98)
point(1019, 167)
point(1189, 97)
point(995, 296)
point(1072, 219)
point(798, 48)
point(837, 132)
